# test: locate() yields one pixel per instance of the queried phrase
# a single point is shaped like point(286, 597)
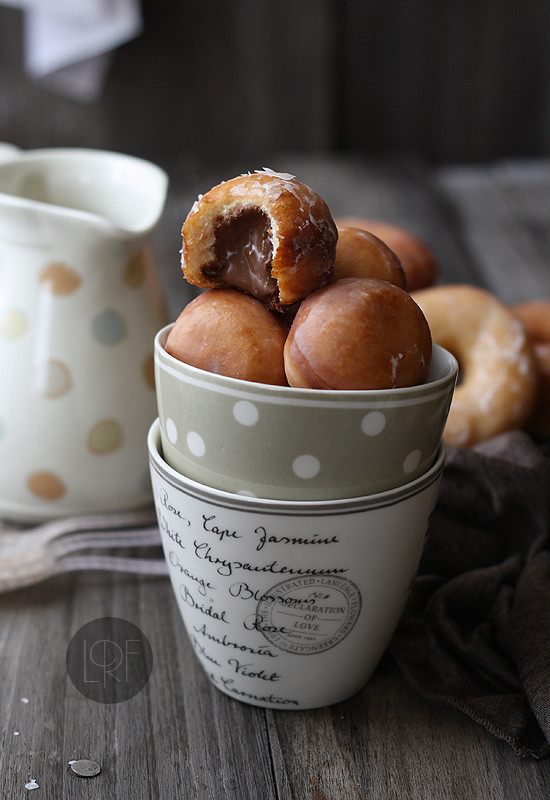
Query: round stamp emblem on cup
point(309, 615)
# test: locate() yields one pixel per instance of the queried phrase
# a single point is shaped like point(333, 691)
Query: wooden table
point(181, 738)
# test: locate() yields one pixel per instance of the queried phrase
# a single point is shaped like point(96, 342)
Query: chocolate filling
point(244, 252)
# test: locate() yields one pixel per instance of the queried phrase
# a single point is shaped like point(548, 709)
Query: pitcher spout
point(121, 194)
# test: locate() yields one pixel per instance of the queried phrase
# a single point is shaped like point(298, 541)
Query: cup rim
point(237, 385)
point(265, 505)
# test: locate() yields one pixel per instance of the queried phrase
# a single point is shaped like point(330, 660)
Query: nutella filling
point(244, 251)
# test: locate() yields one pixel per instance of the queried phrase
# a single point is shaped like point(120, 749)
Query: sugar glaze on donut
point(498, 375)
point(264, 233)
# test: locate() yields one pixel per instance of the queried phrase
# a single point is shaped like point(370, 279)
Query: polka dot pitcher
point(79, 309)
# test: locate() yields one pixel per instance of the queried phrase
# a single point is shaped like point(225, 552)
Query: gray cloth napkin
point(476, 630)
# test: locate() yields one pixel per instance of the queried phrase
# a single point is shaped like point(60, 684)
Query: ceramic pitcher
point(79, 308)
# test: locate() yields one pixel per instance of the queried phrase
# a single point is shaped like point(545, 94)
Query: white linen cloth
point(69, 42)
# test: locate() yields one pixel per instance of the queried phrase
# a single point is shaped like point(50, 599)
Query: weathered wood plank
point(504, 215)
point(35, 693)
point(387, 744)
point(180, 737)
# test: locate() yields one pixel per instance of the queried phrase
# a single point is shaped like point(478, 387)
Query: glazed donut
point(361, 254)
point(535, 317)
point(497, 371)
point(421, 267)
point(358, 333)
point(230, 333)
point(264, 233)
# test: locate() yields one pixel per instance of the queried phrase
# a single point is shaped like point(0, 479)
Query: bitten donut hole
point(243, 254)
point(270, 237)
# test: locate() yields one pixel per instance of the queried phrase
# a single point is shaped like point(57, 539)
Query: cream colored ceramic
point(299, 444)
point(8, 151)
point(79, 308)
point(290, 605)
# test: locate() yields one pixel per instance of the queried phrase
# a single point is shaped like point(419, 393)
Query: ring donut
point(264, 233)
point(421, 267)
point(498, 374)
point(361, 254)
point(535, 317)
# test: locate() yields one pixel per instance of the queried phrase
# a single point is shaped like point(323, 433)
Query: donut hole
point(282, 229)
point(360, 254)
point(230, 333)
point(244, 252)
point(358, 333)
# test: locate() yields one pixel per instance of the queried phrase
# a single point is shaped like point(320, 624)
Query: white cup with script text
point(290, 605)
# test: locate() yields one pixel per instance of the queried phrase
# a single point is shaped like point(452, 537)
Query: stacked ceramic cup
point(293, 521)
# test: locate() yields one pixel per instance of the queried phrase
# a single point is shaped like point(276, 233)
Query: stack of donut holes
point(294, 298)
point(287, 302)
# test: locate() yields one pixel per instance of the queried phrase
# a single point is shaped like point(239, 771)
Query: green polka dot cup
point(290, 604)
point(79, 309)
point(298, 444)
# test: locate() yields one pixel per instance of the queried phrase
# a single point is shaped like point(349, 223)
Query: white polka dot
point(306, 466)
point(373, 423)
point(245, 412)
point(246, 493)
point(171, 431)
point(195, 443)
point(412, 461)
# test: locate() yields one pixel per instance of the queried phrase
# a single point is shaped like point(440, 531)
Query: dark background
point(215, 80)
